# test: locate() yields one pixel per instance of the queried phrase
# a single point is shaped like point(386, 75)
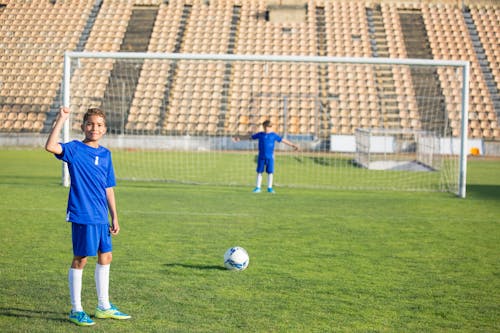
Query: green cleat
point(80, 318)
point(112, 313)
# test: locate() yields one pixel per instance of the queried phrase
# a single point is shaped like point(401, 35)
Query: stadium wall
point(340, 143)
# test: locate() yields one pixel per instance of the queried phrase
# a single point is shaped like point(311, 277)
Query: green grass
point(320, 261)
point(238, 168)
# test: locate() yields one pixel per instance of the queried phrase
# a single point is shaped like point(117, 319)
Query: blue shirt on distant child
point(266, 143)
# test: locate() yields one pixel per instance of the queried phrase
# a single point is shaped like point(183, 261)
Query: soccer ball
point(236, 259)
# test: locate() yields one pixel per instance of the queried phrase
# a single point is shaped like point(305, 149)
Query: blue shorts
point(89, 239)
point(268, 163)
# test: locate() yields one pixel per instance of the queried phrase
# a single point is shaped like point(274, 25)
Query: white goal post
point(172, 117)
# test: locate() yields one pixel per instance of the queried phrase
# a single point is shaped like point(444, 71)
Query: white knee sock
point(75, 288)
point(102, 285)
point(259, 180)
point(270, 180)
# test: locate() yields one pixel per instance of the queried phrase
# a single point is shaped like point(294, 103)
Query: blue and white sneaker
point(256, 190)
point(270, 190)
point(112, 313)
point(80, 318)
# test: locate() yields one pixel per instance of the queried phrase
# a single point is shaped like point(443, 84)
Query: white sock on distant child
point(75, 288)
point(259, 180)
point(102, 286)
point(270, 180)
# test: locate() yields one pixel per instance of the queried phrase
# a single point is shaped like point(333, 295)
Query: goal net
point(397, 149)
point(174, 117)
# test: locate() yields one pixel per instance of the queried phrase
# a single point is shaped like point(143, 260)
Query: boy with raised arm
point(91, 199)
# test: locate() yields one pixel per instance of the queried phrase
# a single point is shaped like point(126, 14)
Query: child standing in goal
point(91, 197)
point(265, 159)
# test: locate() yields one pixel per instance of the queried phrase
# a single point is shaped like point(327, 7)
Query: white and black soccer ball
point(236, 259)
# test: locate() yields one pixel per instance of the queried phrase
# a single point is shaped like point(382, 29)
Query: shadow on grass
point(486, 192)
point(193, 266)
point(30, 313)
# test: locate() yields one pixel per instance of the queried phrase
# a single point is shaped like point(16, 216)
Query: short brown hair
point(94, 112)
point(267, 123)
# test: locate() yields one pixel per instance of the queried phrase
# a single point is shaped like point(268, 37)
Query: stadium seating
point(448, 32)
point(487, 20)
point(229, 99)
point(31, 57)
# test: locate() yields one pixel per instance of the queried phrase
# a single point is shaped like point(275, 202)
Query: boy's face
point(268, 128)
point(94, 128)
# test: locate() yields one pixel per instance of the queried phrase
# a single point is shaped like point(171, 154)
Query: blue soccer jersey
point(91, 171)
point(266, 143)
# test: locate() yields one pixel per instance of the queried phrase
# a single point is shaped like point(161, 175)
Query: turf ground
point(320, 260)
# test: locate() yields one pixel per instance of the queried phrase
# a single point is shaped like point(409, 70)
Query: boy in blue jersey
point(91, 199)
point(265, 159)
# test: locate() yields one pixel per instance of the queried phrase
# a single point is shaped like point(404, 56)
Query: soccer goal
point(397, 149)
point(361, 123)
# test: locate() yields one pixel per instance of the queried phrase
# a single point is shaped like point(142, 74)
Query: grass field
point(327, 171)
point(320, 260)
